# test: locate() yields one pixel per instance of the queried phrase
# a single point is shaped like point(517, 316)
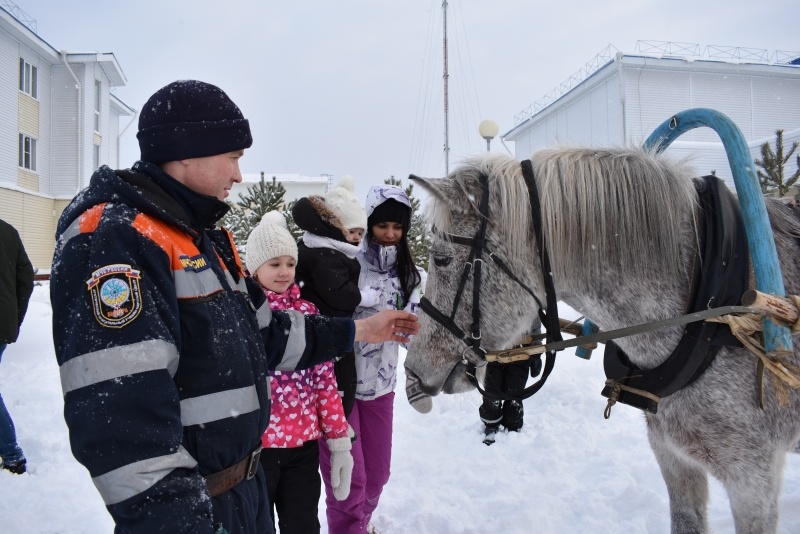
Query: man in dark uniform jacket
point(163, 343)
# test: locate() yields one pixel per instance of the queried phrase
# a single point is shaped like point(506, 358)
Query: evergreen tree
point(773, 178)
point(247, 211)
point(418, 237)
point(295, 230)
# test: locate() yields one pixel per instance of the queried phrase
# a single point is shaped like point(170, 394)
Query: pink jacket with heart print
point(305, 404)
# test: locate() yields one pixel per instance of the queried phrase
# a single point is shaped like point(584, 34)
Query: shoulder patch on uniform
point(116, 297)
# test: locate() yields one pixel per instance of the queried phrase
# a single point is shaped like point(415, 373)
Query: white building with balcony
point(620, 98)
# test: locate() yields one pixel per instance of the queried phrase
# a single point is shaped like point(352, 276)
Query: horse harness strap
point(531, 345)
point(550, 317)
point(477, 244)
point(474, 265)
point(718, 280)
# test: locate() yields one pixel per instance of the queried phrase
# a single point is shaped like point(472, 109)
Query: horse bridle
point(548, 314)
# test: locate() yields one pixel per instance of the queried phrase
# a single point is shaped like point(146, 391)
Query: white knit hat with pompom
point(270, 239)
point(342, 200)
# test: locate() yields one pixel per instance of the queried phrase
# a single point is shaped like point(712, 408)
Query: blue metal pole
point(759, 232)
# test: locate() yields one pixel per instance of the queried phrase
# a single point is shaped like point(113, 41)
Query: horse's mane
point(624, 205)
point(508, 199)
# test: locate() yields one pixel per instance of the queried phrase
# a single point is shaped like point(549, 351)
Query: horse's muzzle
point(457, 381)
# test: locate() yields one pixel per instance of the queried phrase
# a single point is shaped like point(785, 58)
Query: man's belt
point(222, 481)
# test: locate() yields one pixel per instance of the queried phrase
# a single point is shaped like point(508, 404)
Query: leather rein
point(548, 313)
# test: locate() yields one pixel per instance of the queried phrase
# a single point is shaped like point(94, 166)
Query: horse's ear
point(440, 188)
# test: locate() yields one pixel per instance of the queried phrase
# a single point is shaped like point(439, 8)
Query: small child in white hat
point(306, 404)
point(342, 200)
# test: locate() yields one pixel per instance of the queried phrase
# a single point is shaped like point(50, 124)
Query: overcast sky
point(355, 86)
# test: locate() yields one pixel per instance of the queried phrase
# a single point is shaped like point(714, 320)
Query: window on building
point(28, 78)
point(27, 152)
point(97, 87)
point(96, 159)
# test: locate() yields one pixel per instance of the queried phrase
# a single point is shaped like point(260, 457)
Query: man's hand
point(388, 325)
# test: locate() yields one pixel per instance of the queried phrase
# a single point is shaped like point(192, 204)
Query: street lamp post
point(488, 130)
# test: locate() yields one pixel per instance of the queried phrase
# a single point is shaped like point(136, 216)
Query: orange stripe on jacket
point(174, 242)
point(90, 219)
point(236, 256)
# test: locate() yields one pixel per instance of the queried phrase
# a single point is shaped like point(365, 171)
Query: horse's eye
point(442, 261)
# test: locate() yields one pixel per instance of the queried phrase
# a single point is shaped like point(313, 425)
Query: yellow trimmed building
point(59, 121)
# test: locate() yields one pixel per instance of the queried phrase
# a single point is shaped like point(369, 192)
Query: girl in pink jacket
point(306, 404)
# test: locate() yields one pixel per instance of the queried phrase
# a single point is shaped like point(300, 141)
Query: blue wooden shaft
point(588, 329)
point(759, 232)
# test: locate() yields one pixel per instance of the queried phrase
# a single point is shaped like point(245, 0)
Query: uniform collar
point(196, 210)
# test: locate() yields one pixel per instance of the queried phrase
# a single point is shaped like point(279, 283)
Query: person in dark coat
point(16, 286)
point(163, 342)
point(503, 384)
point(327, 273)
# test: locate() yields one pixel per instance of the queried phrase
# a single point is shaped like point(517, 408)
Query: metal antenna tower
point(445, 76)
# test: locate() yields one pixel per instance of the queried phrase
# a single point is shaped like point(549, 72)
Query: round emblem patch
point(114, 292)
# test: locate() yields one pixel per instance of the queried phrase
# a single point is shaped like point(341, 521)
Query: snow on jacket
point(376, 363)
point(16, 282)
point(305, 403)
point(164, 347)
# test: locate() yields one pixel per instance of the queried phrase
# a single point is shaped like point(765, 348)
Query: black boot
point(489, 433)
point(17, 467)
point(491, 412)
point(536, 365)
point(512, 415)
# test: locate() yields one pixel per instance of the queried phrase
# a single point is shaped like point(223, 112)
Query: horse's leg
point(753, 489)
point(687, 487)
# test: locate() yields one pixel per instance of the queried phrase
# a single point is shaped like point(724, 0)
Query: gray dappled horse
point(621, 228)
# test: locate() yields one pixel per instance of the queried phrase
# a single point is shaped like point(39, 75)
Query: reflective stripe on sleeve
point(86, 223)
point(296, 343)
point(264, 315)
point(191, 284)
point(240, 286)
point(72, 230)
point(107, 364)
point(132, 479)
point(220, 405)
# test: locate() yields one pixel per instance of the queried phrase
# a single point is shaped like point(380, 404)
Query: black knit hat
point(390, 210)
point(190, 119)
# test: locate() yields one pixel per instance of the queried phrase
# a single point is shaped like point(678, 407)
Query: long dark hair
point(406, 269)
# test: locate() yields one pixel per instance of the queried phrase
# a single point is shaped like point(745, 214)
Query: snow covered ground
point(568, 470)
